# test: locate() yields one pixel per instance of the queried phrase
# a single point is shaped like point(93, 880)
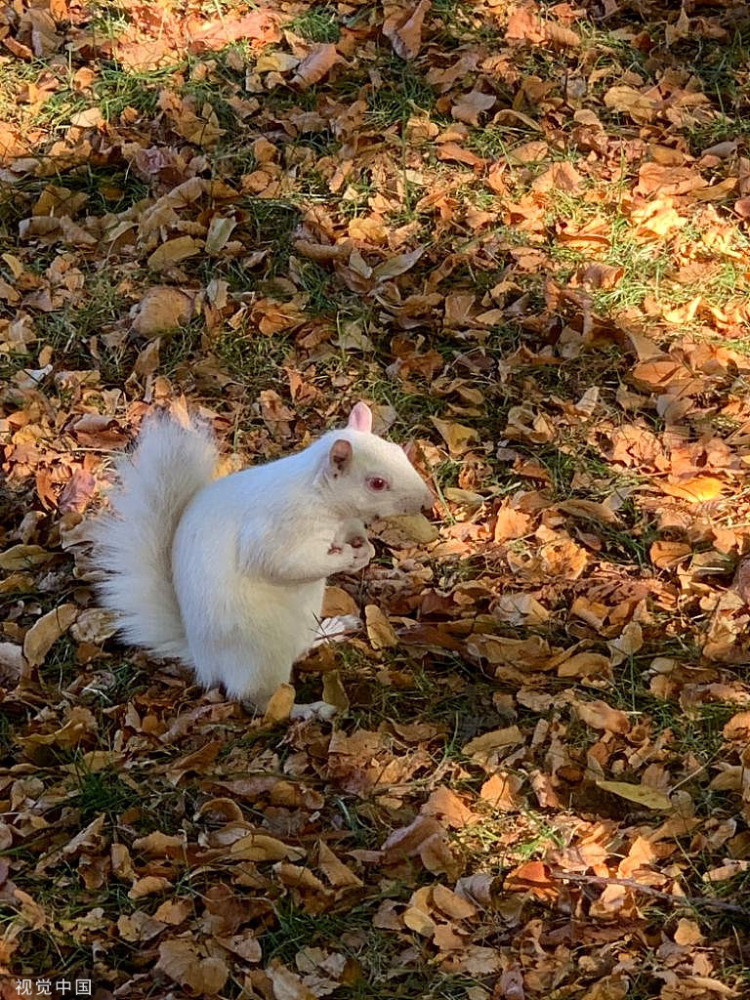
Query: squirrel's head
point(368, 476)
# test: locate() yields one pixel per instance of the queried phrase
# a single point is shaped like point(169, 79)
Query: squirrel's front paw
point(352, 546)
point(319, 710)
point(358, 551)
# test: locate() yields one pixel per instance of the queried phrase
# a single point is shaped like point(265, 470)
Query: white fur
point(134, 538)
point(250, 553)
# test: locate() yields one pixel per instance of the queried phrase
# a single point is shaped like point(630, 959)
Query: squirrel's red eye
point(377, 484)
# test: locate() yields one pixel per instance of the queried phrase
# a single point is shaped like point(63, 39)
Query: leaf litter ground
point(520, 231)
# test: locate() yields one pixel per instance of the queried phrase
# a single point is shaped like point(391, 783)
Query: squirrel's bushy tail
point(133, 540)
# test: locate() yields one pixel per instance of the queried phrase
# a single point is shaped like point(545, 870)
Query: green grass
point(103, 792)
point(252, 357)
point(374, 951)
point(318, 24)
point(404, 92)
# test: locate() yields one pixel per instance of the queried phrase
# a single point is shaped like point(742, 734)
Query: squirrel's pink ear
point(360, 419)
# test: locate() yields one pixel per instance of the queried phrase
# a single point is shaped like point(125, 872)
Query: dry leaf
point(403, 28)
point(510, 736)
point(599, 715)
point(379, 630)
point(280, 705)
point(173, 252)
point(699, 489)
point(316, 65)
point(642, 795)
point(162, 310)
point(458, 438)
point(470, 106)
point(179, 959)
point(45, 632)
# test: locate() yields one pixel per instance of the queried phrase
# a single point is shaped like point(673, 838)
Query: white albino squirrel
point(228, 574)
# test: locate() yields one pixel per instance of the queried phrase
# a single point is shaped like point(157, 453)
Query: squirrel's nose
point(429, 499)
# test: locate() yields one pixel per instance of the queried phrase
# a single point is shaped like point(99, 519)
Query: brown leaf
point(45, 632)
point(561, 176)
point(162, 310)
point(334, 869)
point(280, 705)
point(445, 804)
point(599, 715)
point(258, 25)
point(246, 945)
point(642, 795)
point(180, 960)
point(501, 791)
point(482, 745)
point(149, 885)
point(458, 437)
point(667, 555)
point(585, 665)
point(316, 65)
point(173, 252)
point(287, 985)
point(379, 630)
point(453, 153)
point(589, 510)
point(627, 100)
point(334, 692)
point(77, 492)
point(403, 28)
point(337, 602)
point(24, 557)
point(470, 106)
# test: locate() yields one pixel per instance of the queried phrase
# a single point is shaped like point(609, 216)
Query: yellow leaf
point(280, 705)
point(699, 489)
point(23, 557)
point(379, 630)
point(599, 715)
point(642, 795)
point(45, 632)
point(458, 438)
point(173, 252)
point(487, 742)
point(179, 959)
point(162, 309)
point(415, 527)
point(333, 691)
point(419, 921)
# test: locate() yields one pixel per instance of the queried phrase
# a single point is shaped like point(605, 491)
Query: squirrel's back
point(133, 540)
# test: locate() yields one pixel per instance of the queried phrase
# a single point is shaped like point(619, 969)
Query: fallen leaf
point(599, 715)
point(699, 489)
point(470, 106)
point(173, 252)
point(403, 28)
point(162, 310)
point(458, 438)
point(180, 960)
point(379, 630)
point(642, 795)
point(45, 632)
point(316, 65)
